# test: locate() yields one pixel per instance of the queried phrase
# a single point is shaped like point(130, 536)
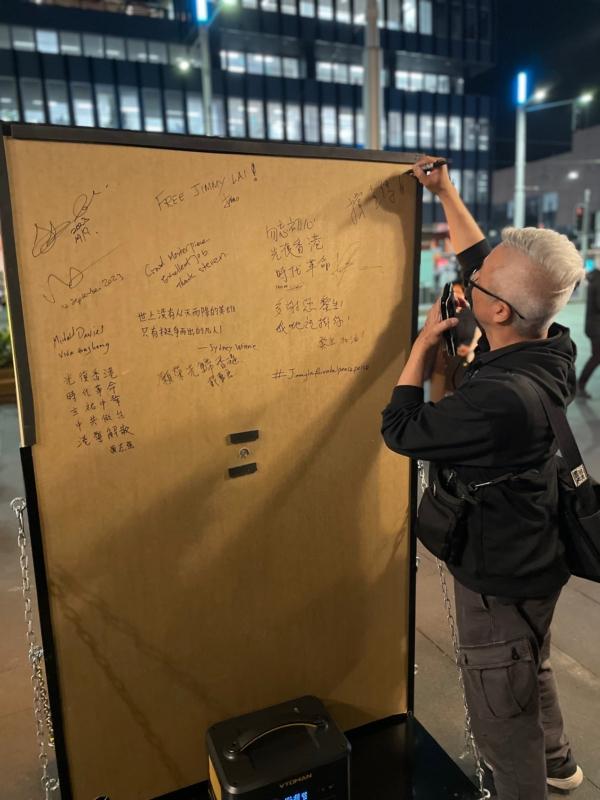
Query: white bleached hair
point(541, 293)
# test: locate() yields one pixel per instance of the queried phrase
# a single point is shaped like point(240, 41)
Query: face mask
point(469, 299)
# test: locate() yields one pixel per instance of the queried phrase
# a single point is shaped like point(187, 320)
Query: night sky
point(558, 41)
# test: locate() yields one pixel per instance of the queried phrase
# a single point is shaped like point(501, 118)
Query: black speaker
point(291, 751)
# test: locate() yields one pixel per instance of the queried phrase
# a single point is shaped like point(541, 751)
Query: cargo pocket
point(500, 679)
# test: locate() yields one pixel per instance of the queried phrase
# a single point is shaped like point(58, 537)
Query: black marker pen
point(427, 168)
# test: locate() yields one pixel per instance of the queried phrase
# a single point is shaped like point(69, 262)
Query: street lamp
point(205, 18)
point(371, 94)
point(535, 103)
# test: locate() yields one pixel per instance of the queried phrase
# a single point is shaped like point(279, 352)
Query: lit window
point(340, 73)
point(70, 43)
point(275, 120)
point(31, 96)
point(383, 131)
point(106, 106)
point(470, 134)
point(360, 12)
point(47, 41)
point(455, 133)
point(459, 85)
point(425, 131)
point(342, 11)
point(455, 177)
point(393, 10)
point(256, 119)
point(482, 187)
point(250, 3)
point(324, 71)
point(58, 103)
point(416, 81)
point(83, 105)
point(268, 5)
point(360, 129)
point(410, 130)
point(157, 53)
point(409, 15)
point(483, 139)
point(177, 54)
point(114, 47)
point(22, 38)
point(129, 105)
point(425, 17)
point(325, 9)
point(395, 129)
point(328, 125)
point(549, 202)
point(469, 185)
point(356, 74)
point(195, 113)
point(402, 79)
point(288, 7)
point(235, 61)
point(291, 68)
point(218, 117)
point(236, 117)
point(293, 122)
point(307, 8)
point(9, 109)
point(443, 84)
point(440, 132)
point(136, 50)
point(346, 126)
point(430, 83)
point(174, 111)
point(4, 37)
point(273, 66)
point(311, 123)
point(152, 102)
point(93, 45)
point(255, 63)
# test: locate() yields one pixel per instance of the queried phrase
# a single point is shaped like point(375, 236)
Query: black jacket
point(490, 427)
point(592, 309)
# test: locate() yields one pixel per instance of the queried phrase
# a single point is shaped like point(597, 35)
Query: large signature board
point(169, 299)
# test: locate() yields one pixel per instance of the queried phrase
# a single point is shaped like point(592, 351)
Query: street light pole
point(520, 152)
point(372, 104)
point(585, 224)
point(204, 42)
point(520, 161)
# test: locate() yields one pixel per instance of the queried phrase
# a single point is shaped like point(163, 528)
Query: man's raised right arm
point(464, 231)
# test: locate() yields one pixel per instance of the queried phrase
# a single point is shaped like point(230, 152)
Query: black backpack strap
point(562, 432)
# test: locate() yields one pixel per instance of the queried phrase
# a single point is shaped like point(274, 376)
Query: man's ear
point(502, 313)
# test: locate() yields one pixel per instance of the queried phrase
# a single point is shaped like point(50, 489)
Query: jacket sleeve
point(468, 424)
point(472, 258)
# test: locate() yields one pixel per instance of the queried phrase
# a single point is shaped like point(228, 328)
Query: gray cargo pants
point(510, 688)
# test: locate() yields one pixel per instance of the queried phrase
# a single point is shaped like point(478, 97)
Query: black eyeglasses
point(471, 284)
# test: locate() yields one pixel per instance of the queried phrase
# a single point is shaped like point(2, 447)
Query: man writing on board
point(510, 570)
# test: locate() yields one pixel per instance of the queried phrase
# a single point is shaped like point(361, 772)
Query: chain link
point(470, 744)
point(41, 704)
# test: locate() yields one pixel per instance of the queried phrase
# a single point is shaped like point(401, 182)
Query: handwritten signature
point(46, 238)
point(74, 277)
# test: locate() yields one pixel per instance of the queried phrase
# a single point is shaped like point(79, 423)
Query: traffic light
point(579, 212)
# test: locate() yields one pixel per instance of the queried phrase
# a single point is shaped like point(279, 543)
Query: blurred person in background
point(592, 329)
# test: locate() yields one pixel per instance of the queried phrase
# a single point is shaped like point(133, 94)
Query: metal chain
point(41, 704)
point(470, 744)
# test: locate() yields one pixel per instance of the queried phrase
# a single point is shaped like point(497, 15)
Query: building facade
point(282, 70)
point(556, 190)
